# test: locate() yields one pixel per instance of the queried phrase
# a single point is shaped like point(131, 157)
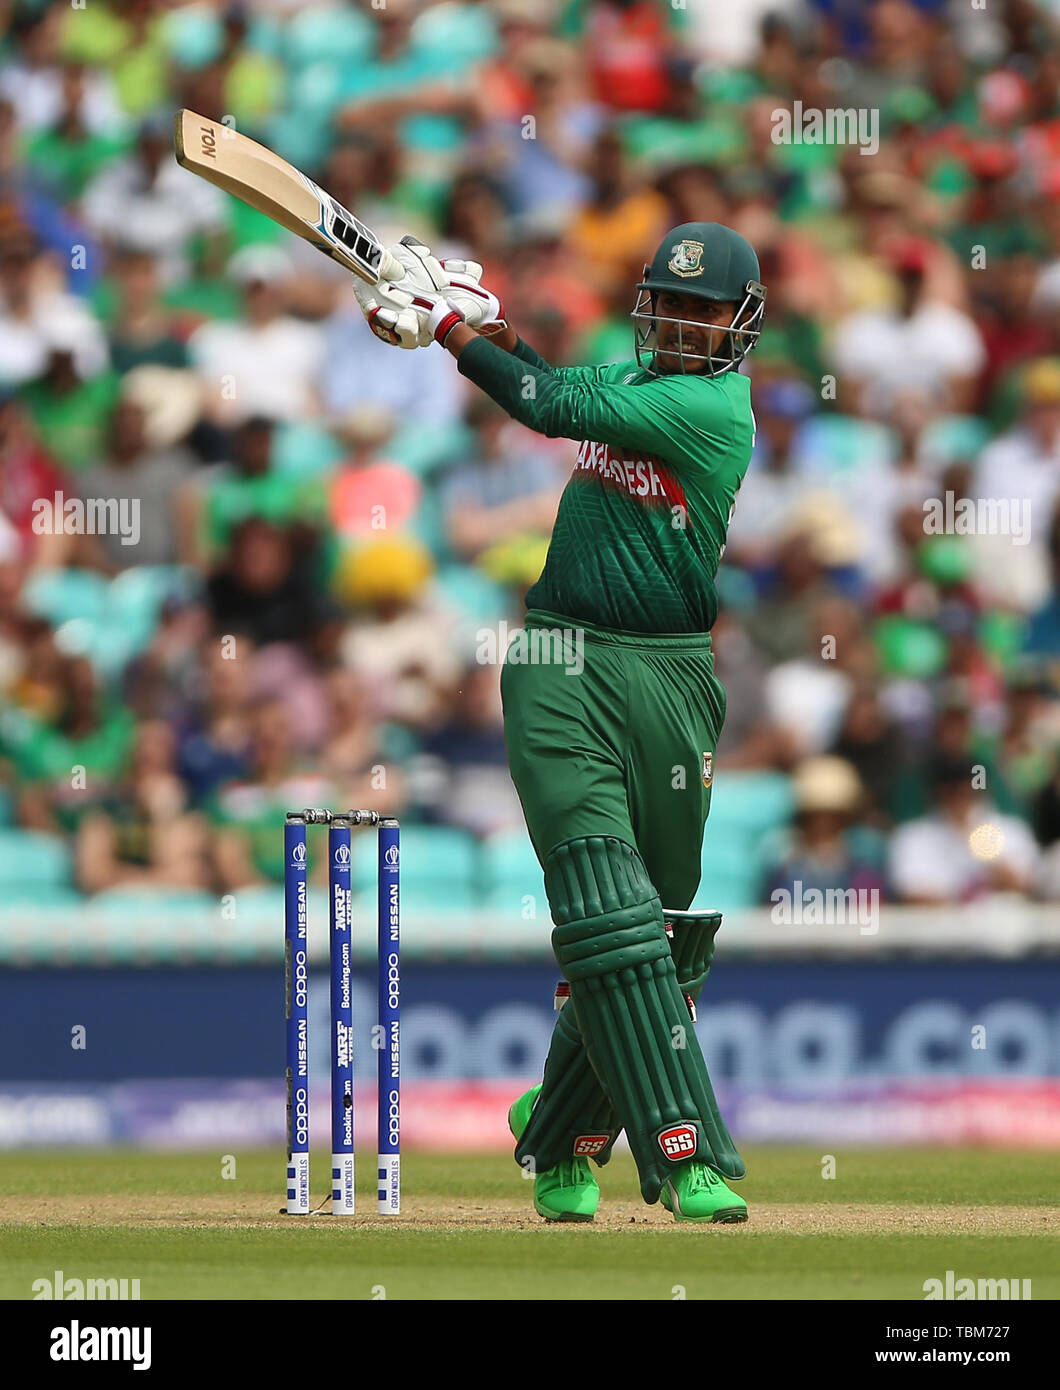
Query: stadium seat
point(731, 867)
point(474, 596)
point(423, 452)
point(511, 873)
point(755, 802)
point(32, 862)
point(329, 35)
point(305, 450)
point(436, 862)
point(951, 438)
point(62, 595)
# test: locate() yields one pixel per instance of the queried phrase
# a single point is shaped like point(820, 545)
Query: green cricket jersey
point(643, 519)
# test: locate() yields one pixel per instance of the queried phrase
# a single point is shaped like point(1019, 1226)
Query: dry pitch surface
point(887, 1222)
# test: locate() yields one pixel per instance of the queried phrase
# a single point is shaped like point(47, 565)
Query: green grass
point(470, 1232)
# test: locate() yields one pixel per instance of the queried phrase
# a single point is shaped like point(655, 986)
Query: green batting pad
point(612, 947)
point(573, 1115)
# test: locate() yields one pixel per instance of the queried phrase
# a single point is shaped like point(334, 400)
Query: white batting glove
point(480, 306)
point(422, 271)
point(389, 313)
point(438, 316)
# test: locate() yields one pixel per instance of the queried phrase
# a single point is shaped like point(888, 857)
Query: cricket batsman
point(614, 764)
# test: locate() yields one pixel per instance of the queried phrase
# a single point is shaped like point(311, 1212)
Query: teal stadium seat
point(512, 874)
point(34, 866)
point(328, 35)
point(158, 924)
point(746, 809)
point(439, 868)
point(62, 595)
point(755, 801)
point(474, 596)
point(305, 450)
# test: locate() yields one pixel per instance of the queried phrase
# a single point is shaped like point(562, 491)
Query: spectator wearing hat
point(70, 403)
point(964, 848)
point(401, 638)
point(823, 852)
point(146, 463)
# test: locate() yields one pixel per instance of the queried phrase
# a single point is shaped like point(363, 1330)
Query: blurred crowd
point(315, 530)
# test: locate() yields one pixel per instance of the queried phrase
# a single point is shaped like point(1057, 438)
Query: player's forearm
point(507, 340)
point(529, 393)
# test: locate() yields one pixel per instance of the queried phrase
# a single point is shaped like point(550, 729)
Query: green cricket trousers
point(614, 733)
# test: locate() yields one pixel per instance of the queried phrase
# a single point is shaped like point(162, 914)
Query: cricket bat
point(262, 179)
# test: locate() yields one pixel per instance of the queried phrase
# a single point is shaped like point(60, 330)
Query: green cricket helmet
point(711, 262)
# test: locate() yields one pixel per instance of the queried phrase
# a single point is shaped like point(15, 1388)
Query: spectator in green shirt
point(70, 408)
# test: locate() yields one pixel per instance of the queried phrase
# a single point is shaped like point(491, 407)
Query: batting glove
point(481, 309)
point(389, 313)
point(438, 314)
point(422, 271)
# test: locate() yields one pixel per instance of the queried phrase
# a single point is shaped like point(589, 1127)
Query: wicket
point(340, 955)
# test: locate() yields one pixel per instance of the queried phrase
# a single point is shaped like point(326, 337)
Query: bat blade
point(259, 177)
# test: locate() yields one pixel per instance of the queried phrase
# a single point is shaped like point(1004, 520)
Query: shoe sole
point(729, 1216)
point(552, 1217)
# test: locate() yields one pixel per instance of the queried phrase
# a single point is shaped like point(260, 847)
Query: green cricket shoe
point(568, 1192)
point(697, 1193)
